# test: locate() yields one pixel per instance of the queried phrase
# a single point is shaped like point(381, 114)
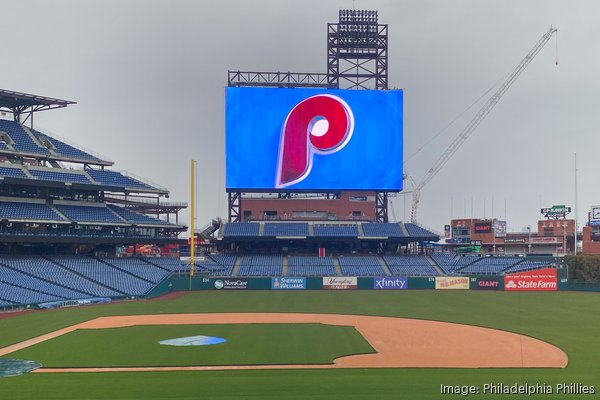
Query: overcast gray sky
point(148, 77)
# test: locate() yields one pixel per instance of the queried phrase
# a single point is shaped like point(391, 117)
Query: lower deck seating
point(106, 275)
point(413, 265)
point(261, 265)
point(360, 266)
point(310, 266)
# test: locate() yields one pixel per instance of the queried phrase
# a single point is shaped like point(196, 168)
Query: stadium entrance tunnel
point(14, 367)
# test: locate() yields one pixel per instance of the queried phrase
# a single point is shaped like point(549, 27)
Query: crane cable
point(456, 118)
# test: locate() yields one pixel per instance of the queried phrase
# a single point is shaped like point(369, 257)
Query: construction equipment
point(474, 123)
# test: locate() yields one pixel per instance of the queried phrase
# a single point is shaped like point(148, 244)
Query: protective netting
point(14, 367)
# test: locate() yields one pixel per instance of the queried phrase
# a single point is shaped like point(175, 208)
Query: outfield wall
point(548, 279)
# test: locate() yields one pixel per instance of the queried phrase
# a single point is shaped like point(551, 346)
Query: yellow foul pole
point(192, 218)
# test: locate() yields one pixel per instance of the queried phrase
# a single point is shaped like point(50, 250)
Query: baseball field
point(291, 331)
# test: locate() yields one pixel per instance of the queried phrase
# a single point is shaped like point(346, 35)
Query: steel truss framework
point(357, 58)
point(357, 51)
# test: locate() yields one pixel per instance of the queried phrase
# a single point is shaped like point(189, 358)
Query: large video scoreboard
point(313, 139)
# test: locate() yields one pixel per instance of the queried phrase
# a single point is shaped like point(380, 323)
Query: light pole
point(529, 241)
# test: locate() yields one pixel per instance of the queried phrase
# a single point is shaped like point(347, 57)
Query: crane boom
point(474, 123)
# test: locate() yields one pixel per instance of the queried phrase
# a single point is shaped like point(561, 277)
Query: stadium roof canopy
point(18, 102)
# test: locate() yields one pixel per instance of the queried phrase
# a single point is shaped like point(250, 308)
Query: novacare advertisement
point(339, 283)
point(230, 284)
point(536, 280)
point(447, 282)
point(288, 283)
point(387, 283)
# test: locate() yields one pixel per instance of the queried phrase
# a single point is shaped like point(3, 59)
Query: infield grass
point(568, 320)
point(246, 345)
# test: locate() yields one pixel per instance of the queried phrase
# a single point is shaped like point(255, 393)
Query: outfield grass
point(570, 321)
point(246, 345)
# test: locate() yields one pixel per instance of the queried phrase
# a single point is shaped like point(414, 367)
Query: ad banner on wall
point(535, 280)
point(339, 283)
point(230, 284)
point(288, 283)
point(492, 283)
point(454, 282)
point(390, 283)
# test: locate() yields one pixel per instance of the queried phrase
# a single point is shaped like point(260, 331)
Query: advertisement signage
point(230, 284)
point(536, 280)
point(556, 212)
point(595, 213)
point(288, 283)
point(311, 139)
point(447, 282)
point(487, 283)
point(447, 231)
point(483, 227)
point(388, 283)
point(544, 240)
point(499, 228)
point(514, 241)
point(339, 283)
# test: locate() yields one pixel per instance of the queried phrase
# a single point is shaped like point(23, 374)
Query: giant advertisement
point(311, 139)
point(535, 280)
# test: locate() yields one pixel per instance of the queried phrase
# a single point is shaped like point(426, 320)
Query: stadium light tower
point(357, 51)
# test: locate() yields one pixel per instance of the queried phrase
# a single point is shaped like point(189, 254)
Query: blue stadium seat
point(527, 265)
point(104, 274)
point(233, 229)
point(335, 231)
point(310, 266)
point(64, 149)
point(16, 278)
point(360, 266)
point(13, 172)
point(89, 214)
point(490, 265)
point(114, 178)
point(286, 229)
point(415, 230)
point(409, 265)
point(50, 271)
point(382, 230)
point(137, 267)
point(59, 176)
point(137, 218)
point(22, 141)
point(13, 210)
point(261, 265)
point(216, 265)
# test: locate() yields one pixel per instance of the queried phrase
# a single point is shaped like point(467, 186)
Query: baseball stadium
point(308, 288)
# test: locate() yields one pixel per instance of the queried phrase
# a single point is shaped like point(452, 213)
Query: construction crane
point(474, 123)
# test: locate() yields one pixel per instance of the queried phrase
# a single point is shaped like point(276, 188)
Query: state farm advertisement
point(539, 279)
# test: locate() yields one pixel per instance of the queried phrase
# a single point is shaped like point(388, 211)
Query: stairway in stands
point(236, 266)
point(435, 265)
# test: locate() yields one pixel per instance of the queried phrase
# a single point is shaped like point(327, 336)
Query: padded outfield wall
point(546, 279)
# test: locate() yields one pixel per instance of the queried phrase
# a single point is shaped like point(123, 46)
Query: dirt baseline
point(399, 342)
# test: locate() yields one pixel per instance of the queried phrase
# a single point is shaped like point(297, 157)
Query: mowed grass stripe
point(247, 344)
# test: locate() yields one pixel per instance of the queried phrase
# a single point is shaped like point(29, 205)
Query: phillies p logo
point(321, 124)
